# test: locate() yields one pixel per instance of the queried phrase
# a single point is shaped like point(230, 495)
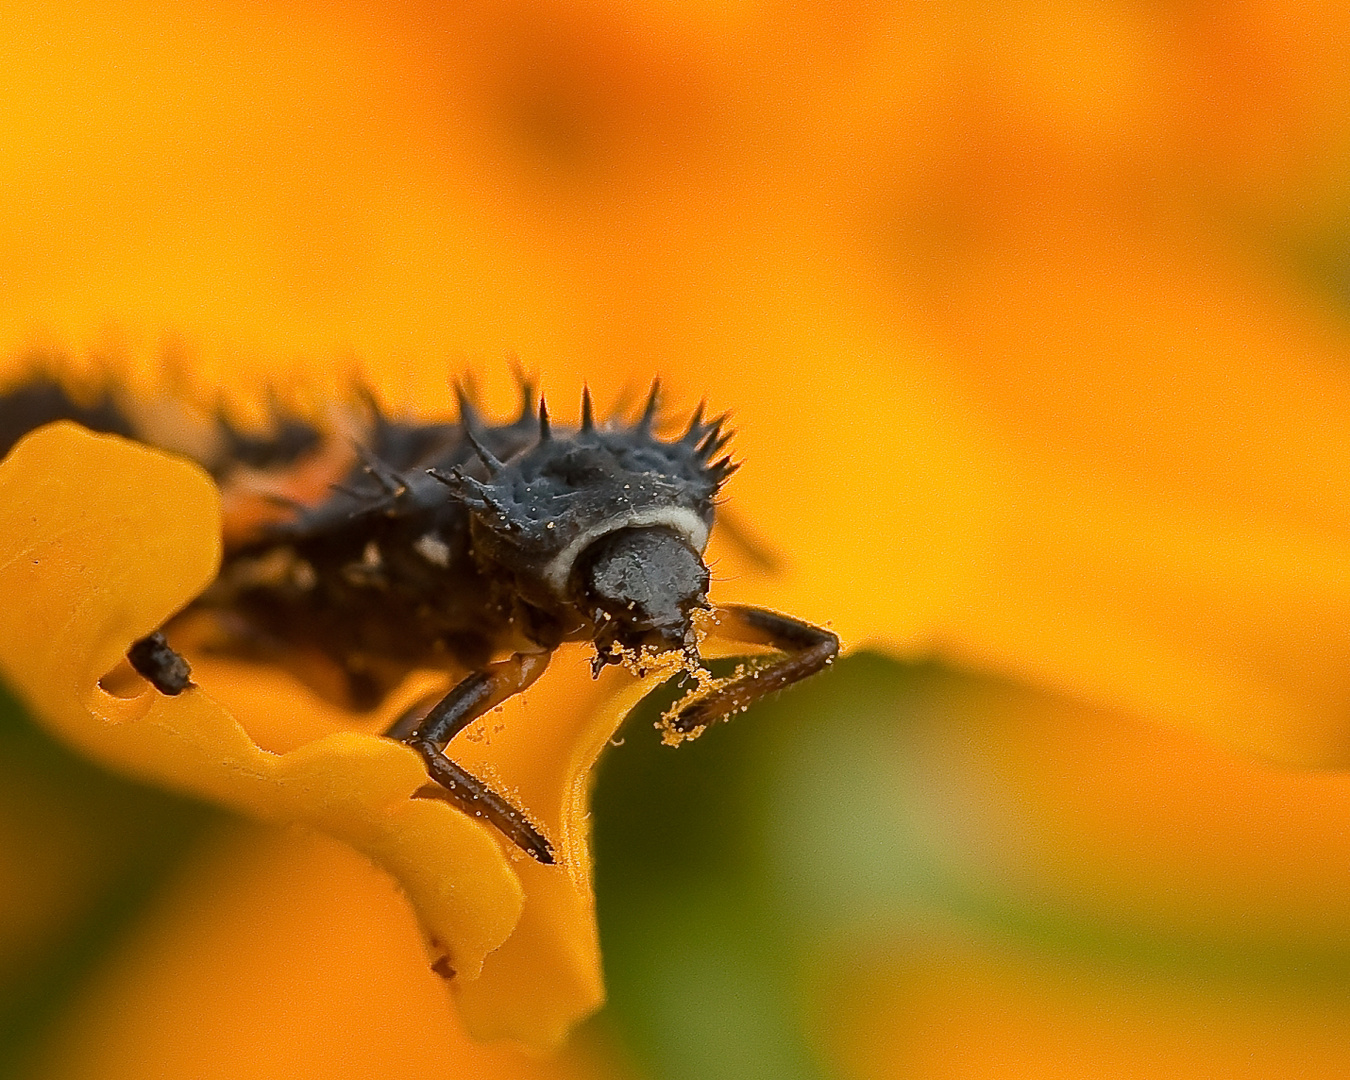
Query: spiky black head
point(607, 525)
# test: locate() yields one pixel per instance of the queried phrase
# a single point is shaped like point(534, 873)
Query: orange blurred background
point(1034, 323)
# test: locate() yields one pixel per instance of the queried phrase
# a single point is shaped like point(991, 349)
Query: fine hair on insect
point(470, 547)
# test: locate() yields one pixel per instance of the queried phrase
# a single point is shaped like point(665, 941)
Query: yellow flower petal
point(103, 541)
point(547, 976)
point(275, 956)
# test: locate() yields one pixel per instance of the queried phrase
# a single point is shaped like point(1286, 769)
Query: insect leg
point(806, 648)
point(469, 700)
point(157, 662)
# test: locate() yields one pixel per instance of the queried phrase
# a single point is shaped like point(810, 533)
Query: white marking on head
point(370, 556)
point(432, 548)
point(685, 523)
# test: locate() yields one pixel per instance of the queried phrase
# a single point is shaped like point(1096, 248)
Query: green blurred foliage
point(81, 853)
point(721, 863)
point(755, 884)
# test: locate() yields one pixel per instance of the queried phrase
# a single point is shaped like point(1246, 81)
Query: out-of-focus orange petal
point(104, 540)
point(1176, 524)
point(1137, 829)
point(1263, 107)
point(957, 1007)
point(275, 955)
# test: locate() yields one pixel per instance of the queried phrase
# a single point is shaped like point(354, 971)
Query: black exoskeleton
point(448, 546)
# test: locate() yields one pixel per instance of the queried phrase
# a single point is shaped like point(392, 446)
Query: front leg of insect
point(470, 699)
point(806, 650)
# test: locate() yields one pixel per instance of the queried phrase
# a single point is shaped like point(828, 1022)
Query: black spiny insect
point(453, 545)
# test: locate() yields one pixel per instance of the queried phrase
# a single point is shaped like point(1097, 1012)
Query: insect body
point(447, 546)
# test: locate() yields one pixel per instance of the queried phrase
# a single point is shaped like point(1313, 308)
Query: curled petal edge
point(101, 541)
